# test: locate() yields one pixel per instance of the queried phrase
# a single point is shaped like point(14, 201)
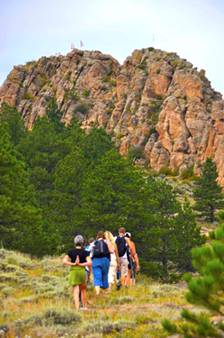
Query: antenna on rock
point(81, 44)
point(72, 46)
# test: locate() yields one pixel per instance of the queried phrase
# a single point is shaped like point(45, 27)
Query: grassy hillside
point(36, 302)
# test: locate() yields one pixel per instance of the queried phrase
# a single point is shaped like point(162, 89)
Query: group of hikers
point(111, 261)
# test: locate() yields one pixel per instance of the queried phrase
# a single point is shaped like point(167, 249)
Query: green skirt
point(77, 275)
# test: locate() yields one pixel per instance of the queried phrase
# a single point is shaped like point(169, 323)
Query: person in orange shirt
point(133, 260)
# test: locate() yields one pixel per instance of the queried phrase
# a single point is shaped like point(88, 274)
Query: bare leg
point(97, 289)
point(76, 296)
point(129, 283)
point(133, 281)
point(83, 295)
point(124, 280)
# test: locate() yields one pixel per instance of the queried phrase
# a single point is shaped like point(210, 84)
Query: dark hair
point(92, 239)
point(100, 234)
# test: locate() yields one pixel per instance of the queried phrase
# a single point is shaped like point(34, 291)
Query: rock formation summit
point(155, 103)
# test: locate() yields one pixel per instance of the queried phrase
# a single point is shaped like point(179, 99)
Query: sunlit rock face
point(155, 102)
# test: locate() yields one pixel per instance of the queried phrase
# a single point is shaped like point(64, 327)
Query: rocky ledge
point(156, 104)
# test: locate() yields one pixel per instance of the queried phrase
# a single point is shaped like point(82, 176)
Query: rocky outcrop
point(155, 103)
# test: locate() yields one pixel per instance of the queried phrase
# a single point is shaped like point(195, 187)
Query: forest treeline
point(57, 181)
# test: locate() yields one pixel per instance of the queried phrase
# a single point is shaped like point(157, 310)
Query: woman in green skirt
point(78, 258)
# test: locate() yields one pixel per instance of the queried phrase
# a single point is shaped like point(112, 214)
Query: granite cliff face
point(155, 103)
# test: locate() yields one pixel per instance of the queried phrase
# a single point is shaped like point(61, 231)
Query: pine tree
point(109, 195)
point(205, 290)
point(208, 194)
point(68, 179)
point(20, 219)
point(97, 143)
point(42, 149)
point(160, 243)
point(169, 232)
point(188, 236)
point(59, 181)
point(13, 122)
point(55, 115)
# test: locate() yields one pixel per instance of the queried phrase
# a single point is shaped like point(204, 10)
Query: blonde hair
point(109, 237)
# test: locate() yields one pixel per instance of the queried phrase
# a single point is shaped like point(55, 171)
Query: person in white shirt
point(122, 247)
point(114, 259)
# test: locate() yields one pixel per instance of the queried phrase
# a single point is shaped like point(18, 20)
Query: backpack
point(121, 246)
point(100, 248)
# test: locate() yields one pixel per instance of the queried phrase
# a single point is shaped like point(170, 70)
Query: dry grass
point(36, 302)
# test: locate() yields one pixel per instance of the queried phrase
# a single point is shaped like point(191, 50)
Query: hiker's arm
point(128, 241)
point(117, 257)
point(88, 263)
point(137, 262)
point(67, 261)
point(134, 255)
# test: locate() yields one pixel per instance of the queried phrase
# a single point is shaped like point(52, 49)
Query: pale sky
point(194, 29)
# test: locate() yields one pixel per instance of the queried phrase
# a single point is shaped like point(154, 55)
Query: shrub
point(2, 253)
point(153, 131)
point(16, 258)
point(41, 287)
point(28, 96)
point(12, 260)
point(155, 105)
point(30, 321)
point(143, 65)
point(8, 267)
point(62, 316)
point(113, 82)
point(82, 108)
point(49, 318)
point(122, 300)
point(168, 171)
point(28, 299)
point(7, 291)
point(86, 92)
point(187, 173)
point(68, 75)
point(71, 95)
point(52, 264)
point(106, 327)
point(175, 62)
point(8, 277)
point(153, 113)
point(135, 153)
point(152, 269)
point(42, 78)
point(108, 79)
point(143, 319)
point(205, 289)
point(220, 216)
point(110, 106)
